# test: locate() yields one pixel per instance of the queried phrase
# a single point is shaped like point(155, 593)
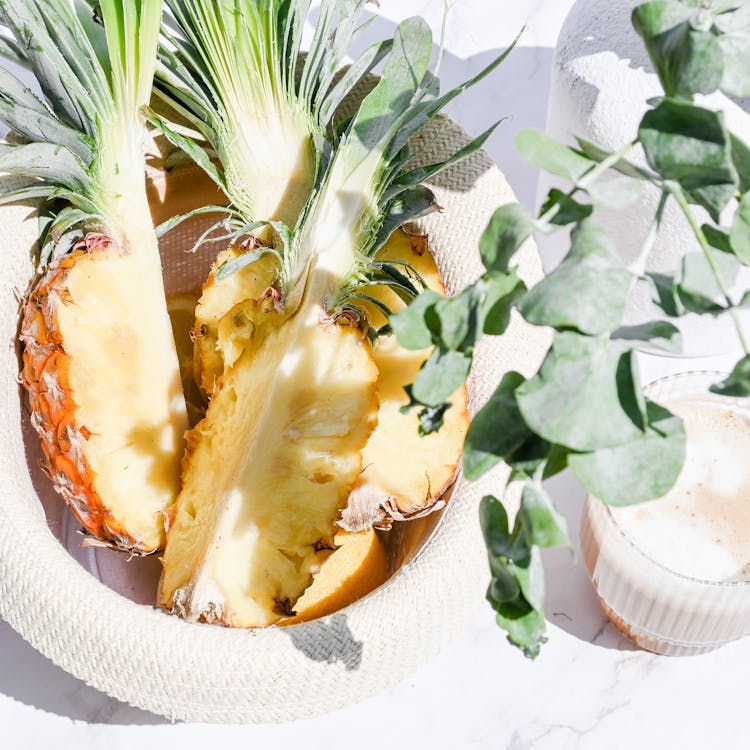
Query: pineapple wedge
point(404, 475)
point(99, 360)
point(105, 399)
point(358, 566)
point(256, 518)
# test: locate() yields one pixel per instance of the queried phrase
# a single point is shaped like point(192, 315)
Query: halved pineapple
point(268, 470)
point(404, 475)
point(100, 364)
point(105, 398)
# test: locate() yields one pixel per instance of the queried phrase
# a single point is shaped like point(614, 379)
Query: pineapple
point(267, 471)
point(99, 360)
point(405, 474)
point(272, 465)
point(219, 296)
point(358, 566)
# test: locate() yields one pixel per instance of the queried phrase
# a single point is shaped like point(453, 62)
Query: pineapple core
point(268, 470)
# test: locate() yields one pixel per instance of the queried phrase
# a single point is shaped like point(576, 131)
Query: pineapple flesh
point(106, 399)
point(256, 518)
point(358, 566)
point(404, 474)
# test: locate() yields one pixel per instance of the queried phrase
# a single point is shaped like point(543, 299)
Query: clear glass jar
point(663, 606)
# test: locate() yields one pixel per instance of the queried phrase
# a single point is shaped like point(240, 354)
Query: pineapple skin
point(45, 376)
point(68, 433)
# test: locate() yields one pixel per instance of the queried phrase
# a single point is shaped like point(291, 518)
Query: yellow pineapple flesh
point(404, 475)
point(358, 566)
point(268, 470)
point(105, 392)
point(217, 299)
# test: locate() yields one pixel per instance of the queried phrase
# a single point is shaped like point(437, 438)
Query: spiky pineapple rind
point(53, 407)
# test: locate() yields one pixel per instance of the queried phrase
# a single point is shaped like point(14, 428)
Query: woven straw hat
point(206, 673)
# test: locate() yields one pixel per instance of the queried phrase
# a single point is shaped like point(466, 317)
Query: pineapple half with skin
point(99, 360)
point(405, 474)
point(267, 471)
point(293, 411)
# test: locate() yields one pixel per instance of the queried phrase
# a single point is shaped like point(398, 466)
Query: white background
point(588, 689)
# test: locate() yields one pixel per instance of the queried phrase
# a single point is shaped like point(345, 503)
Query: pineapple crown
point(93, 62)
point(367, 186)
point(235, 74)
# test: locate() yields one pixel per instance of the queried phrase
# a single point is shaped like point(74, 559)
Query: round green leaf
point(440, 377)
point(640, 469)
point(496, 431)
point(587, 291)
point(510, 226)
point(584, 396)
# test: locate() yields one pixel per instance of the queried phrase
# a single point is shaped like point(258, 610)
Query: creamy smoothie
point(674, 574)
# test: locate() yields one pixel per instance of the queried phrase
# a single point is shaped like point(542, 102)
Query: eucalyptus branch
point(708, 252)
point(605, 165)
point(584, 410)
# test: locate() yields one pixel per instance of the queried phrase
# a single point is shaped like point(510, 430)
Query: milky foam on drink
point(701, 528)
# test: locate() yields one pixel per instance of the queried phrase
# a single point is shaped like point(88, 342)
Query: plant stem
point(638, 267)
point(589, 178)
point(603, 166)
point(679, 195)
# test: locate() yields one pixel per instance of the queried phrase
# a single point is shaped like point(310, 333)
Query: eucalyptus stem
point(588, 179)
point(639, 266)
point(679, 196)
point(605, 165)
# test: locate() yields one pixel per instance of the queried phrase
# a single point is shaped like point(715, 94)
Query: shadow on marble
point(341, 646)
point(32, 679)
point(571, 603)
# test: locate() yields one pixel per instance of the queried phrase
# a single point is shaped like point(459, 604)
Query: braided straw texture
point(206, 673)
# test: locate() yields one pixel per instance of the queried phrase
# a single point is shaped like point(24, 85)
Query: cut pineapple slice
point(356, 568)
point(217, 299)
point(405, 476)
point(268, 470)
point(105, 398)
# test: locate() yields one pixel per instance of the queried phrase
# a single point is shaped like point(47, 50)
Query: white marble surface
point(589, 689)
